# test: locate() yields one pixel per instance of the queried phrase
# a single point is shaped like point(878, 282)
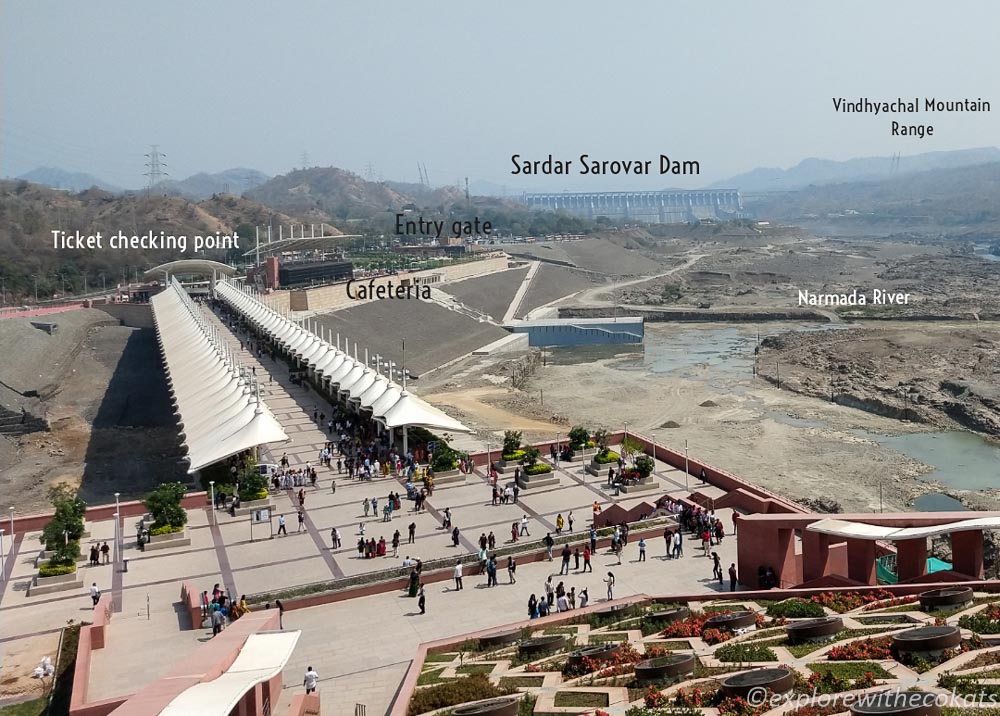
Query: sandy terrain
point(738, 429)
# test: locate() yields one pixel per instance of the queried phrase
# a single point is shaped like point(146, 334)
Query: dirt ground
point(728, 418)
point(20, 658)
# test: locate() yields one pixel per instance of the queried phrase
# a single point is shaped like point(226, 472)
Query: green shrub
point(166, 529)
point(511, 441)
point(253, 485)
point(445, 458)
point(590, 444)
point(539, 468)
point(607, 458)
point(745, 651)
point(530, 457)
point(453, 692)
point(164, 504)
point(513, 456)
point(578, 437)
point(644, 464)
point(795, 608)
point(47, 569)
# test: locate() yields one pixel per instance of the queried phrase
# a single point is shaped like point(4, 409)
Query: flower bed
point(452, 692)
point(745, 651)
point(694, 625)
point(709, 697)
point(841, 602)
point(862, 650)
point(539, 468)
point(985, 621)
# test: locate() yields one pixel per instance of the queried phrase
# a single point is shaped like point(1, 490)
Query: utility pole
point(777, 373)
point(155, 167)
point(468, 200)
point(370, 171)
point(305, 160)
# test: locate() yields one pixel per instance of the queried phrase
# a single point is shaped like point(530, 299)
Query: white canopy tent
point(861, 530)
point(218, 407)
point(367, 389)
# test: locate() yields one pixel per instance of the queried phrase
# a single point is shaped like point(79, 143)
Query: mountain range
point(815, 172)
point(197, 186)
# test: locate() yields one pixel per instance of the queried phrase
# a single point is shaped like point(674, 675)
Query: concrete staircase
point(12, 423)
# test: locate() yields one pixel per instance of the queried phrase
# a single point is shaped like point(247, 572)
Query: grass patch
point(466, 669)
point(670, 645)
point(901, 620)
point(609, 636)
point(522, 682)
point(35, 707)
point(745, 651)
point(849, 669)
point(560, 630)
point(440, 657)
point(580, 699)
point(987, 659)
point(429, 677)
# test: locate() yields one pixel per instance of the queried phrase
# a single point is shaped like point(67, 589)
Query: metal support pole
point(211, 485)
point(686, 472)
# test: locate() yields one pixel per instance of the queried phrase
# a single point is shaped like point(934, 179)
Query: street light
point(118, 511)
point(686, 473)
point(12, 523)
point(211, 484)
point(3, 556)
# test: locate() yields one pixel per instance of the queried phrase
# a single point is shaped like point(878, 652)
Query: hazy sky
point(460, 86)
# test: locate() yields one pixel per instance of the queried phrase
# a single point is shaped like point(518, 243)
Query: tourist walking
point(458, 575)
point(95, 593)
point(549, 544)
point(732, 577)
point(716, 567)
point(587, 567)
point(281, 526)
point(569, 519)
point(511, 568)
point(610, 581)
point(524, 527)
point(421, 601)
point(310, 680)
point(566, 553)
point(413, 532)
point(642, 550)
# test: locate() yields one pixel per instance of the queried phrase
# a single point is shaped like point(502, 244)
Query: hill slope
point(826, 171)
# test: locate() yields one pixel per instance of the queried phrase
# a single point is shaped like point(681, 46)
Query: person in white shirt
point(95, 593)
point(458, 575)
point(310, 680)
point(562, 604)
point(407, 562)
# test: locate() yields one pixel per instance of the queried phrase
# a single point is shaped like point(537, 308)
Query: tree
point(630, 447)
point(601, 438)
point(578, 437)
point(63, 532)
point(531, 455)
point(164, 504)
point(445, 457)
point(511, 441)
point(644, 464)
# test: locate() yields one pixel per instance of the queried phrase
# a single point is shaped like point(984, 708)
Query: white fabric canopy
point(262, 657)
point(220, 414)
point(389, 403)
point(860, 530)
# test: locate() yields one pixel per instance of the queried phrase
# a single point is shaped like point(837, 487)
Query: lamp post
point(211, 485)
point(3, 556)
point(12, 523)
point(489, 461)
point(118, 511)
point(686, 473)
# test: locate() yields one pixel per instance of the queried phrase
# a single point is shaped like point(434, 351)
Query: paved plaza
point(361, 647)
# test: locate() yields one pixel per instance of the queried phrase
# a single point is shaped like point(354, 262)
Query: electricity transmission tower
point(155, 168)
point(370, 171)
point(305, 160)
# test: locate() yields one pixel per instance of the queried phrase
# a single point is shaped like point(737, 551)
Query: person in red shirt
point(736, 518)
point(586, 560)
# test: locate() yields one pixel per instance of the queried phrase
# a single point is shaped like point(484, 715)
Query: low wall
point(134, 315)
point(304, 705)
point(78, 705)
point(695, 316)
point(191, 603)
point(100, 619)
point(132, 508)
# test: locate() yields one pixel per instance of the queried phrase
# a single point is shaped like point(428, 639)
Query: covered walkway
point(217, 401)
point(343, 376)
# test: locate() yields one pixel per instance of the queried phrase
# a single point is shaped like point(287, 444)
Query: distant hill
point(62, 179)
point(826, 171)
point(333, 194)
point(29, 212)
point(961, 196)
point(204, 185)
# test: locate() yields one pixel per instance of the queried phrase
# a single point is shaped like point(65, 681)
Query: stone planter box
point(172, 539)
point(547, 478)
point(648, 484)
point(581, 455)
point(732, 621)
point(503, 706)
point(779, 680)
point(45, 555)
point(669, 616)
point(246, 508)
point(502, 466)
point(601, 652)
point(59, 583)
point(448, 477)
point(600, 469)
point(953, 598)
point(503, 638)
point(898, 703)
point(541, 645)
point(927, 641)
point(672, 666)
point(814, 630)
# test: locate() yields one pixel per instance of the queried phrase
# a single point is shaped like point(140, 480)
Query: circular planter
point(813, 629)
point(541, 645)
point(779, 680)
point(601, 652)
point(506, 706)
point(664, 667)
point(927, 640)
point(732, 620)
point(502, 638)
point(669, 616)
point(897, 703)
point(947, 598)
